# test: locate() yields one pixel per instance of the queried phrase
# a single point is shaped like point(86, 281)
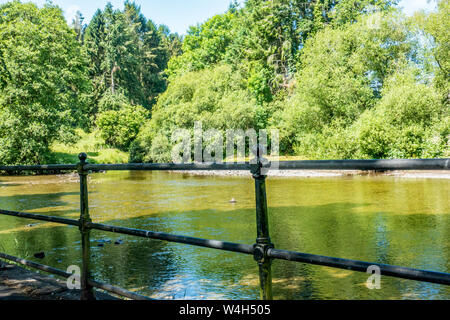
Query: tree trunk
point(114, 69)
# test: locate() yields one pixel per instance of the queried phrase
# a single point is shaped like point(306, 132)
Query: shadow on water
point(4, 184)
point(377, 219)
point(169, 270)
point(34, 201)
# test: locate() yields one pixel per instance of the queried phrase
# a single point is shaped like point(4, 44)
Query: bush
point(217, 97)
point(120, 128)
point(334, 142)
point(404, 124)
point(112, 101)
point(341, 74)
point(437, 139)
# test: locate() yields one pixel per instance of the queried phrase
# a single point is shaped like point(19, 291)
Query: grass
point(90, 143)
point(98, 152)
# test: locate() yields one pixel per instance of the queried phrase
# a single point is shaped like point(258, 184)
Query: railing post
point(87, 292)
point(263, 242)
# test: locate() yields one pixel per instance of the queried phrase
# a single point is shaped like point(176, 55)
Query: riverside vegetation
point(339, 79)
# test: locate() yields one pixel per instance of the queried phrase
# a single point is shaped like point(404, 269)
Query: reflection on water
point(380, 219)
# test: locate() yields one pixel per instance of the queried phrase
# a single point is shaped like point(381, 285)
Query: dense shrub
point(120, 127)
point(404, 124)
point(216, 97)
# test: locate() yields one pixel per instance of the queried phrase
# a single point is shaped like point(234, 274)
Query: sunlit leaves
point(42, 81)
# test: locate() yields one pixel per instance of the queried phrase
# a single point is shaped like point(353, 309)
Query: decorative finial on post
point(82, 156)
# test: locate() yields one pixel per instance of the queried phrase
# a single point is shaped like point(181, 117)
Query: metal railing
point(263, 250)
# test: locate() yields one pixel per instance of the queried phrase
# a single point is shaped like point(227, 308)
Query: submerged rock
point(40, 255)
point(102, 242)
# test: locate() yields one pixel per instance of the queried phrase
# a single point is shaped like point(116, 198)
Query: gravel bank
point(326, 173)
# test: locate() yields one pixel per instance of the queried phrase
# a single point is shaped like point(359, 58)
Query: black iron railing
point(263, 250)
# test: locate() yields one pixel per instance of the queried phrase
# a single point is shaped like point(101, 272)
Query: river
point(379, 219)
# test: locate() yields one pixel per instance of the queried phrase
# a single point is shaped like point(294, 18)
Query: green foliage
point(127, 54)
point(327, 78)
point(342, 72)
point(339, 79)
point(404, 124)
point(92, 144)
point(333, 142)
point(437, 26)
point(42, 81)
point(204, 45)
point(112, 101)
point(264, 38)
point(120, 127)
point(216, 97)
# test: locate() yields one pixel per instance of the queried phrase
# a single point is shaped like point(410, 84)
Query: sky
point(178, 15)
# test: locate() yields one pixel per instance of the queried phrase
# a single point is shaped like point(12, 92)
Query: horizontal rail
point(355, 265)
point(263, 251)
point(361, 266)
point(63, 274)
point(406, 164)
point(388, 270)
point(169, 166)
point(117, 290)
point(214, 244)
point(35, 265)
point(41, 217)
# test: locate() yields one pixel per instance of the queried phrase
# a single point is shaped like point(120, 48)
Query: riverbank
point(17, 283)
point(90, 143)
point(440, 174)
point(415, 174)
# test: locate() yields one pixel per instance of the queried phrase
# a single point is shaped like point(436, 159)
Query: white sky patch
point(412, 6)
point(70, 12)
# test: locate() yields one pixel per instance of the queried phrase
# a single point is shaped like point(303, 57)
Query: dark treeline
point(339, 79)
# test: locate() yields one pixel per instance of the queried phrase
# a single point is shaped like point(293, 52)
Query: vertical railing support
point(263, 242)
point(87, 292)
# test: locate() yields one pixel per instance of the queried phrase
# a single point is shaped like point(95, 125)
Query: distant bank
point(441, 174)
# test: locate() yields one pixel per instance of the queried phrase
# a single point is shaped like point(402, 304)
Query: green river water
point(379, 219)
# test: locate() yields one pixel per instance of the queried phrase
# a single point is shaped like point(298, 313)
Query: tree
point(42, 81)
point(217, 97)
point(437, 25)
point(342, 73)
point(172, 43)
point(409, 121)
point(94, 44)
point(204, 45)
point(79, 26)
point(277, 31)
point(263, 39)
point(127, 55)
